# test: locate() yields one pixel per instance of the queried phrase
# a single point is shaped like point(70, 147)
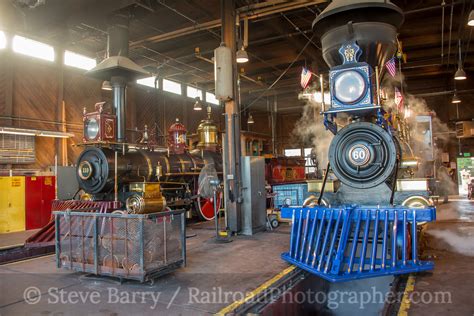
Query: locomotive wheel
point(363, 155)
point(205, 207)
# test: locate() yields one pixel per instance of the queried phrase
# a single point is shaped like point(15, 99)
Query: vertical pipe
point(96, 244)
point(414, 239)
point(115, 177)
point(55, 177)
point(323, 103)
point(165, 242)
point(377, 82)
point(404, 230)
point(216, 212)
point(274, 120)
point(394, 240)
point(141, 240)
point(384, 242)
point(57, 219)
point(232, 170)
point(183, 237)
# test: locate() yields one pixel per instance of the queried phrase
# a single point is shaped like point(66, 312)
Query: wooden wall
point(39, 88)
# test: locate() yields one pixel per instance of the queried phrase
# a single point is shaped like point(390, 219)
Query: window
point(192, 92)
point(78, 61)
point(293, 152)
point(211, 98)
point(310, 167)
point(317, 97)
point(32, 48)
point(149, 82)
point(171, 86)
point(3, 40)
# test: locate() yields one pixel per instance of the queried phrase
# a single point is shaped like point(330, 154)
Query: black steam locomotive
point(365, 155)
point(143, 177)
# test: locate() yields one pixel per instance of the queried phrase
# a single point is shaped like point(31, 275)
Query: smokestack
point(118, 69)
point(117, 36)
point(373, 24)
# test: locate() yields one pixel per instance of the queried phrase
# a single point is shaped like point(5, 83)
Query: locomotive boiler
point(143, 177)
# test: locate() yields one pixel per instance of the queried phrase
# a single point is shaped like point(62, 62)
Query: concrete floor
point(198, 289)
point(9, 240)
point(238, 267)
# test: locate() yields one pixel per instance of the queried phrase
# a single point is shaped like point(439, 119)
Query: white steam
point(462, 244)
point(310, 130)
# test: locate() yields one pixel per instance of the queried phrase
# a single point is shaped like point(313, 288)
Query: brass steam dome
point(207, 132)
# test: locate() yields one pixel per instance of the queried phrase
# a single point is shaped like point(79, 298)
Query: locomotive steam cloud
point(310, 130)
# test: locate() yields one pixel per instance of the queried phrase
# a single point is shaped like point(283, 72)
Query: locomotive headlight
point(91, 129)
point(349, 86)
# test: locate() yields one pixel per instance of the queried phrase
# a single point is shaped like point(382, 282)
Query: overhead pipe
point(250, 14)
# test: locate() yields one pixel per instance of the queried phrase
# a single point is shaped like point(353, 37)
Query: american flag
point(391, 67)
point(399, 100)
point(305, 77)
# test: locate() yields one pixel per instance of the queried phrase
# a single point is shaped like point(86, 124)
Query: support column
point(8, 66)
point(232, 172)
point(274, 118)
point(60, 143)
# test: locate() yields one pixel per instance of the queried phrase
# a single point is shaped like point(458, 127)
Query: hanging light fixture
point(455, 99)
point(106, 85)
point(250, 119)
point(460, 73)
point(198, 104)
point(242, 56)
point(470, 20)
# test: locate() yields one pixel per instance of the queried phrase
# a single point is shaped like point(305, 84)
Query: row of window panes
point(296, 152)
point(175, 87)
point(32, 48)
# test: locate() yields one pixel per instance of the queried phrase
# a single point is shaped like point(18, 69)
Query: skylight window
point(171, 86)
point(3, 40)
point(29, 47)
point(149, 82)
point(192, 92)
point(78, 61)
point(211, 98)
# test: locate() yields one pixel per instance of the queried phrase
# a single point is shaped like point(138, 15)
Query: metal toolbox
point(127, 246)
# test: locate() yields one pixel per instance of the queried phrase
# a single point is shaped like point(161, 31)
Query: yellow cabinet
point(12, 204)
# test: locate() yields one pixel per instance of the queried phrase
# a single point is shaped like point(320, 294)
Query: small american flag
point(305, 77)
point(399, 100)
point(391, 67)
